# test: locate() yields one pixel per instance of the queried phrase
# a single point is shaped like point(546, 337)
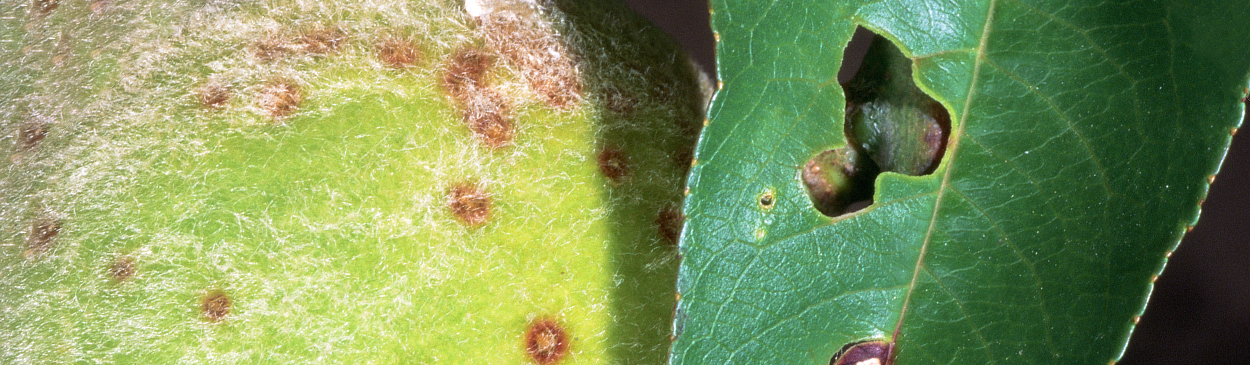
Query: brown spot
point(42, 237)
point(1211, 179)
point(545, 61)
point(98, 6)
point(123, 268)
point(1154, 278)
point(865, 353)
point(488, 115)
point(613, 164)
point(214, 94)
point(1168, 254)
point(670, 221)
point(546, 341)
point(42, 8)
point(486, 111)
point(279, 98)
point(32, 133)
point(1136, 319)
point(470, 203)
point(321, 41)
point(466, 72)
point(398, 52)
point(270, 48)
point(1189, 228)
point(1232, 131)
point(215, 305)
point(620, 103)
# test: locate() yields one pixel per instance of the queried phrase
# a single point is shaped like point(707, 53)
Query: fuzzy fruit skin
point(273, 183)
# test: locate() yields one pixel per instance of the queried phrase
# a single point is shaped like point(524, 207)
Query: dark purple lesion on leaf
point(865, 353)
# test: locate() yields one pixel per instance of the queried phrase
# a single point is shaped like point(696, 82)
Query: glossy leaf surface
point(1084, 138)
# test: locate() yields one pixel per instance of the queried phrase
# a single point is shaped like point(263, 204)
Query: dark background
point(1199, 312)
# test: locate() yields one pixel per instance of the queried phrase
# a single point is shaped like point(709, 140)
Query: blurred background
point(1199, 312)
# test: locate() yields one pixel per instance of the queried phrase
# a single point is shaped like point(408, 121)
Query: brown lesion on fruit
point(865, 353)
point(670, 221)
point(42, 236)
point(398, 52)
point(122, 269)
point(486, 111)
point(279, 98)
point(614, 164)
point(546, 341)
point(271, 48)
point(528, 42)
point(31, 134)
point(321, 40)
point(214, 94)
point(215, 305)
point(470, 203)
point(621, 103)
point(43, 8)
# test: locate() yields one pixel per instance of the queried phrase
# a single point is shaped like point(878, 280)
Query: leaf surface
point(1084, 138)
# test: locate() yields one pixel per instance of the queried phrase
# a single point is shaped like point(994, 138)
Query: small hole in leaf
point(890, 125)
point(767, 200)
point(865, 353)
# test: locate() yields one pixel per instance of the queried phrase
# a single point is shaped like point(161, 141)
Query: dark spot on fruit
point(216, 306)
point(670, 221)
point(613, 164)
point(489, 117)
point(470, 203)
point(98, 6)
point(466, 72)
point(398, 52)
point(546, 341)
point(620, 102)
point(270, 48)
point(41, 8)
point(214, 94)
point(766, 200)
point(545, 61)
point(865, 353)
point(279, 98)
point(32, 133)
point(123, 268)
point(42, 237)
point(322, 41)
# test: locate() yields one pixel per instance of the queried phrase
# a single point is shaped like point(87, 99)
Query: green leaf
point(1084, 135)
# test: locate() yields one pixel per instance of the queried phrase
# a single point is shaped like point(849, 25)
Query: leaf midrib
point(950, 166)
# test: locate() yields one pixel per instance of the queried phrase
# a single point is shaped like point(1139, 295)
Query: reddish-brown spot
point(1136, 319)
point(31, 134)
point(488, 115)
point(398, 52)
point(321, 41)
point(670, 221)
point(214, 94)
point(98, 6)
point(545, 61)
point(620, 103)
point(270, 48)
point(1154, 278)
point(1232, 131)
point(865, 353)
point(215, 305)
point(613, 164)
point(546, 341)
point(42, 236)
point(466, 72)
point(123, 268)
point(486, 111)
point(470, 203)
point(279, 98)
point(41, 8)
point(1211, 179)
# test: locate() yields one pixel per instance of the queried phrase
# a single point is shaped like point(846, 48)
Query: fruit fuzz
point(306, 182)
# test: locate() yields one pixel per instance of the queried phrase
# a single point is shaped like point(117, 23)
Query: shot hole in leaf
point(875, 352)
point(891, 125)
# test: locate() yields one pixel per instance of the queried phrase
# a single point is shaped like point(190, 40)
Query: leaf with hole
point(1082, 139)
